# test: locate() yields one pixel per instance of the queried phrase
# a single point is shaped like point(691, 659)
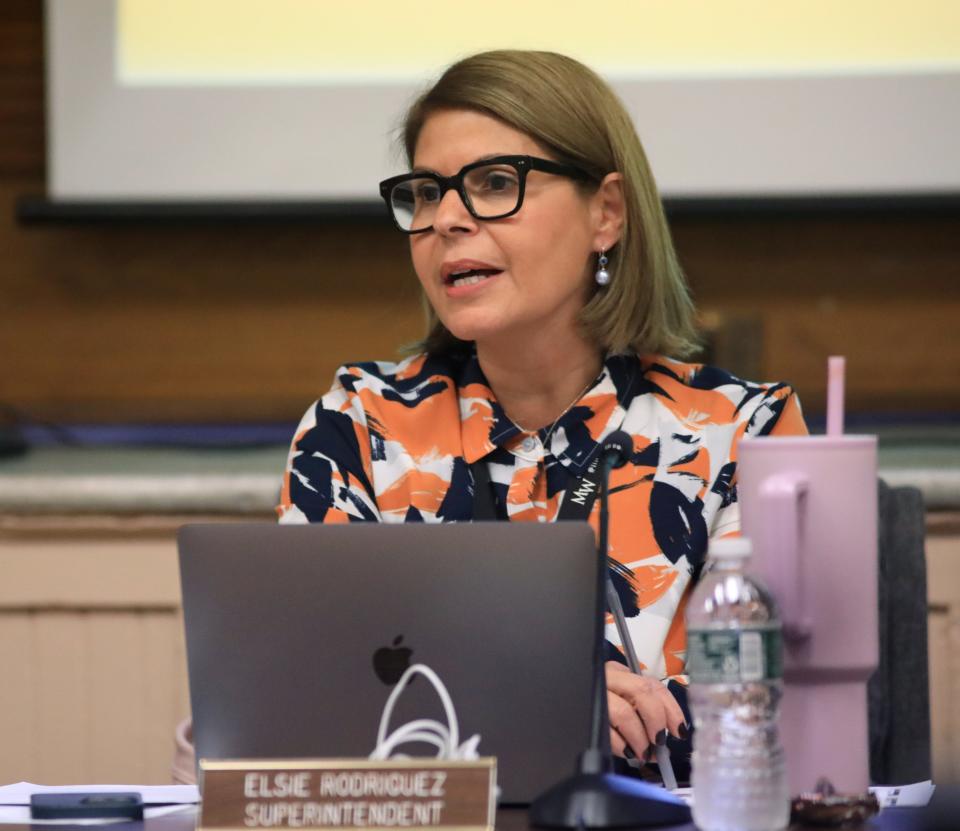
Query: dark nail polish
point(662, 737)
point(684, 730)
point(650, 754)
point(628, 752)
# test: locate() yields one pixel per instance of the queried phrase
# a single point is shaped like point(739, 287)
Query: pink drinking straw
point(836, 370)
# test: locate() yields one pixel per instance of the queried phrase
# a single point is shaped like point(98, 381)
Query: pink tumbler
point(809, 504)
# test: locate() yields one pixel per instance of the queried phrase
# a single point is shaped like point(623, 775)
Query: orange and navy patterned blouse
point(393, 442)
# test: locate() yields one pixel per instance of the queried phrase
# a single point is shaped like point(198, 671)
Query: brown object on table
point(827, 808)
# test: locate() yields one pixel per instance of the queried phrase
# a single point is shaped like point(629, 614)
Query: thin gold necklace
point(566, 410)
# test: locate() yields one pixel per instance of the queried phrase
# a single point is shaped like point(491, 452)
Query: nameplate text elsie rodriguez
point(347, 793)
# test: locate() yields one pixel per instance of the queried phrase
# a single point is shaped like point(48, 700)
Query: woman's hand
point(642, 711)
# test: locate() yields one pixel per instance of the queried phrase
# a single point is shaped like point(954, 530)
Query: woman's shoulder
point(711, 394)
point(377, 395)
point(372, 386)
point(703, 376)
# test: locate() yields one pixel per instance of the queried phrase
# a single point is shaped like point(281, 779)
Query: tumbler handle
point(782, 497)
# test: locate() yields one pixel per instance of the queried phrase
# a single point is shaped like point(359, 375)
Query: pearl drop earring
point(602, 276)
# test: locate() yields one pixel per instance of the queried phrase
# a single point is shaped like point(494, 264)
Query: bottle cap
point(729, 547)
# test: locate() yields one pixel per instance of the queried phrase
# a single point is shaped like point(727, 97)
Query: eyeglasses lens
point(414, 203)
point(493, 191)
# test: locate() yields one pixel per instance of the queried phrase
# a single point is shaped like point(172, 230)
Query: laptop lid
point(296, 634)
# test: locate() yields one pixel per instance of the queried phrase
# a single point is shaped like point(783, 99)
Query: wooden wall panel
point(247, 322)
point(943, 637)
point(60, 656)
point(96, 698)
point(91, 642)
point(20, 711)
point(21, 89)
point(195, 323)
point(62, 568)
point(885, 292)
point(943, 633)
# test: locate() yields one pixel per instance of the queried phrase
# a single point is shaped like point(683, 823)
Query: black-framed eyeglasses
point(490, 189)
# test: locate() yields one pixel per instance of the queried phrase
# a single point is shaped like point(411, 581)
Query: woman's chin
point(475, 330)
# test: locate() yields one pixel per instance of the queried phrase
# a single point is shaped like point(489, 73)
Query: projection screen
point(178, 100)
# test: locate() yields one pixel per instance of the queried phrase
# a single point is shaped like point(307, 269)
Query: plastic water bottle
point(735, 662)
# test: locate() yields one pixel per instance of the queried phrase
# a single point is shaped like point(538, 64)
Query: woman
point(554, 296)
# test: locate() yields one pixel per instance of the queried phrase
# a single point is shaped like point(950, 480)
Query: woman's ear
point(609, 211)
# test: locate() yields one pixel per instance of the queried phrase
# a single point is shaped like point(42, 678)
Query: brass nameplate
point(348, 793)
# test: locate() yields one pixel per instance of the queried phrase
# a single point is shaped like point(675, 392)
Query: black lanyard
point(577, 501)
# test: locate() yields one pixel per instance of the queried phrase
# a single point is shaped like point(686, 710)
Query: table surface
point(943, 814)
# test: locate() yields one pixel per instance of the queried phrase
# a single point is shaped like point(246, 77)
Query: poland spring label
point(731, 656)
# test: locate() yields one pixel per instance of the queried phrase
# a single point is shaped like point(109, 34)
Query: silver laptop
point(297, 634)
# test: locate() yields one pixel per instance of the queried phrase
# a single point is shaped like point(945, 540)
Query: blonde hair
point(574, 114)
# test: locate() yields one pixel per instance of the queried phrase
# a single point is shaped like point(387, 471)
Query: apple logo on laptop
point(390, 662)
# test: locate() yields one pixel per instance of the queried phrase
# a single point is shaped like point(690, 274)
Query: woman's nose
point(452, 215)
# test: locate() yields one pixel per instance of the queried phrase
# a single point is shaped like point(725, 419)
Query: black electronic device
point(92, 805)
point(12, 443)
